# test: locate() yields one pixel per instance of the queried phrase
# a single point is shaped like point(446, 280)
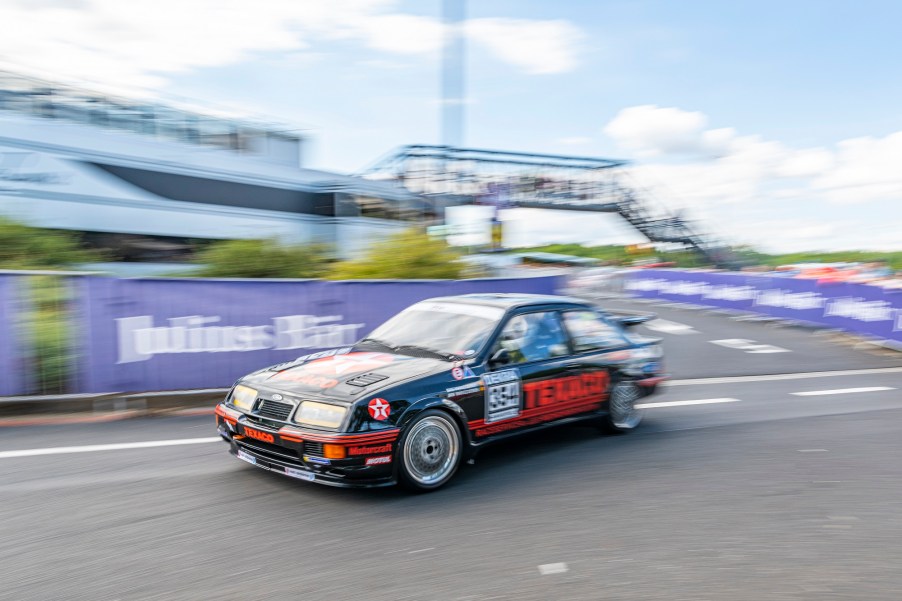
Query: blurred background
point(191, 190)
point(329, 140)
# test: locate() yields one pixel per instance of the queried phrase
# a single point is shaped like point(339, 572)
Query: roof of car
point(509, 300)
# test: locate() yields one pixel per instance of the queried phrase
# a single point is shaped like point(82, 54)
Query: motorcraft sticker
point(502, 395)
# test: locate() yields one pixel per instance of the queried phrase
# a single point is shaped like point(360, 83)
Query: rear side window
point(589, 331)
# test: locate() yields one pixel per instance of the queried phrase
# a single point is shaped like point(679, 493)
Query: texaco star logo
point(379, 409)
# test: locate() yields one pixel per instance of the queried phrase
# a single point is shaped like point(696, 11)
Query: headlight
point(243, 397)
point(320, 414)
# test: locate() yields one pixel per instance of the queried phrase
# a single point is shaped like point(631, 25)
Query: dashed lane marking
point(106, 447)
point(670, 327)
point(682, 403)
point(843, 391)
point(794, 376)
point(552, 568)
point(749, 346)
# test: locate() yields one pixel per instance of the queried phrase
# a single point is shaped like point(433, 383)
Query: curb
point(98, 408)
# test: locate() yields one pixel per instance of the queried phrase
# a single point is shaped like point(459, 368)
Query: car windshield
point(447, 328)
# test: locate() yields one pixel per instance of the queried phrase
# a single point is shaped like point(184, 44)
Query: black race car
point(432, 385)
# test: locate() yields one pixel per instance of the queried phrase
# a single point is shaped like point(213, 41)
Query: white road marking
point(681, 403)
point(552, 568)
point(749, 346)
point(795, 376)
point(670, 327)
point(421, 550)
point(107, 447)
point(842, 391)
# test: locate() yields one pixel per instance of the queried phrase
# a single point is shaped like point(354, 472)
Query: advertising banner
point(12, 369)
point(175, 334)
point(857, 308)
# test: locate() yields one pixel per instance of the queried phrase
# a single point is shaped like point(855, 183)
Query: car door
point(533, 381)
point(599, 347)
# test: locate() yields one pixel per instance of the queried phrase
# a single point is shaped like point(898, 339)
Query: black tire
point(622, 414)
point(430, 451)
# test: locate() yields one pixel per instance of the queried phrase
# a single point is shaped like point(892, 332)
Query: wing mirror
point(501, 357)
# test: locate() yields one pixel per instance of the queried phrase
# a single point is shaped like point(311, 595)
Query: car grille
point(270, 451)
point(274, 410)
point(313, 448)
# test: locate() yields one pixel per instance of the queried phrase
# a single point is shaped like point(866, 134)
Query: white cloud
point(138, 43)
point(735, 184)
point(574, 141)
point(539, 47)
point(650, 130)
point(866, 169)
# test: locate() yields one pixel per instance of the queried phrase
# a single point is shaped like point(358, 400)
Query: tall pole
point(453, 73)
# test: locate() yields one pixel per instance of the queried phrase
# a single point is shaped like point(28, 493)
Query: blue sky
point(774, 123)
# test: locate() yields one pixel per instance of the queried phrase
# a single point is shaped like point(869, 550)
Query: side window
point(590, 332)
point(533, 337)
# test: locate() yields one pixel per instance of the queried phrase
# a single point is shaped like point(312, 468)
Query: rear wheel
point(623, 416)
point(430, 451)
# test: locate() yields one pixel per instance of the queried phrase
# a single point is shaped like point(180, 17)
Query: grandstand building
point(148, 182)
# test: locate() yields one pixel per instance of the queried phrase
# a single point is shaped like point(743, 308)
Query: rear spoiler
point(628, 320)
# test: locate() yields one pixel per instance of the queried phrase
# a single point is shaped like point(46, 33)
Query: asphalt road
point(760, 486)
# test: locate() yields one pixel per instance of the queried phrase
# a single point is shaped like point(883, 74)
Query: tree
point(409, 255)
point(263, 259)
point(24, 247)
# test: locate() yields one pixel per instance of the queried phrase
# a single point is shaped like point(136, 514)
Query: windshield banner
point(13, 381)
point(864, 309)
point(178, 334)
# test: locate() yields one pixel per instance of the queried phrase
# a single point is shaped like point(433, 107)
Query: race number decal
point(502, 395)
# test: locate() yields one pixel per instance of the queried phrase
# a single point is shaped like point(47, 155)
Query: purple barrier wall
point(12, 371)
point(159, 334)
point(857, 308)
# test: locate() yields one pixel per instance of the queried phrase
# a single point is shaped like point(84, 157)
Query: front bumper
point(296, 453)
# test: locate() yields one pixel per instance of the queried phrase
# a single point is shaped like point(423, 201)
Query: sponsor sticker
point(247, 457)
point(384, 448)
point(379, 460)
point(457, 373)
point(320, 460)
point(502, 395)
point(465, 389)
point(264, 436)
point(379, 409)
point(300, 474)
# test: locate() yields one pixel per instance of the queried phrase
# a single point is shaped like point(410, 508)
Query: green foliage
point(47, 325)
point(611, 253)
point(263, 259)
point(410, 254)
point(23, 247)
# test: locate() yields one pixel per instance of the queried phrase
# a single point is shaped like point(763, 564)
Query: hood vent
point(366, 380)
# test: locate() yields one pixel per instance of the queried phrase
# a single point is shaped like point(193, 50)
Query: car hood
point(344, 376)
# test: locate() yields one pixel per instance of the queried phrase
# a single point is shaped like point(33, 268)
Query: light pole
point(453, 67)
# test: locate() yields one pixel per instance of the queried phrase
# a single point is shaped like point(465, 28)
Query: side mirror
point(501, 357)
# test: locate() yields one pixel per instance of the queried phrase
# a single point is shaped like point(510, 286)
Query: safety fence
point(860, 309)
point(77, 333)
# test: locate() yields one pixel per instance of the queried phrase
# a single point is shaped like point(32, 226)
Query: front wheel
point(623, 416)
point(430, 451)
